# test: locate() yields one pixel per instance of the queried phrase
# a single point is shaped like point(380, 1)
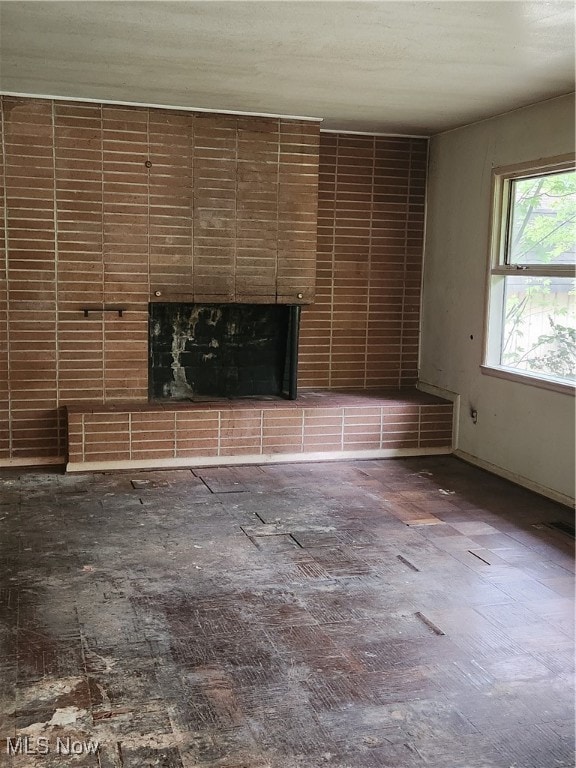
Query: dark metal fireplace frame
point(289, 383)
point(293, 337)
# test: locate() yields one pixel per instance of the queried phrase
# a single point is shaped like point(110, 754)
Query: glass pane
point(543, 220)
point(539, 326)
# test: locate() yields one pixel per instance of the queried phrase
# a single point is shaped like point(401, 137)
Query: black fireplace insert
point(204, 351)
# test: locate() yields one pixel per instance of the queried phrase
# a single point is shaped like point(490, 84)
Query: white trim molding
point(171, 107)
point(33, 461)
point(523, 377)
point(377, 134)
point(257, 458)
point(525, 482)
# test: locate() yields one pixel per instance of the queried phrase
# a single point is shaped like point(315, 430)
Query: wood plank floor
point(372, 614)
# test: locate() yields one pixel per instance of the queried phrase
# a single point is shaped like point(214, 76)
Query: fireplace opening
point(209, 351)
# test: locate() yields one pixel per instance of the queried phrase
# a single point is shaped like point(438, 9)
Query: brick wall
point(30, 316)
point(363, 328)
point(86, 225)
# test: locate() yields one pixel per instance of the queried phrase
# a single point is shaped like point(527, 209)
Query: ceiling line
point(376, 133)
point(503, 114)
point(17, 95)
point(120, 103)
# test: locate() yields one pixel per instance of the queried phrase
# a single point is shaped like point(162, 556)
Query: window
point(532, 287)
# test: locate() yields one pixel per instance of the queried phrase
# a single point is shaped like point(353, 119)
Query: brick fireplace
point(106, 209)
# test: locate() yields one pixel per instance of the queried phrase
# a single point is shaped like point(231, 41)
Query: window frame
point(501, 211)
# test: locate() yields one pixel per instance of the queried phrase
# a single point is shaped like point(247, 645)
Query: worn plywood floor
point(401, 613)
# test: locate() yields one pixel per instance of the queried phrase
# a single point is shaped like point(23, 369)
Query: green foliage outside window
point(539, 323)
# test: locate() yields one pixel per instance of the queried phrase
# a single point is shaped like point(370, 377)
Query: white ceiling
point(400, 67)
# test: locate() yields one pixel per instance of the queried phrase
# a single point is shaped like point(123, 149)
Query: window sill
point(526, 378)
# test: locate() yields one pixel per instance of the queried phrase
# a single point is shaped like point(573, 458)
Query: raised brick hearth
point(318, 425)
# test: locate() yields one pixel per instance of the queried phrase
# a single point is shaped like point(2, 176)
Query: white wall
point(521, 429)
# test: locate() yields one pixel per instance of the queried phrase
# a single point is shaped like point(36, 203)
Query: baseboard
point(543, 490)
point(39, 461)
point(267, 458)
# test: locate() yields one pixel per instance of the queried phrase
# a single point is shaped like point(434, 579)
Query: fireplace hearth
point(213, 351)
